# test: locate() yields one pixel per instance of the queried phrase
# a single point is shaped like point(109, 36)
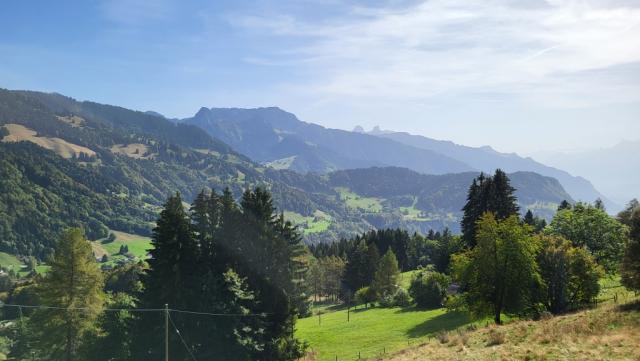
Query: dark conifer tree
point(362, 263)
point(172, 278)
point(528, 218)
point(487, 194)
point(222, 290)
point(268, 247)
point(564, 205)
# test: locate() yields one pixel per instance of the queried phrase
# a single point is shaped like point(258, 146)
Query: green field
point(10, 262)
point(373, 331)
point(320, 222)
point(138, 246)
point(355, 201)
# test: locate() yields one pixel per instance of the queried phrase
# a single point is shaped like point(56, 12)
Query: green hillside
point(70, 163)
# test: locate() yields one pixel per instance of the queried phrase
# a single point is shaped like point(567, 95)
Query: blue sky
point(521, 76)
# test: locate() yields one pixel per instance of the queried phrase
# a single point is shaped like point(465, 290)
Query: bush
point(443, 337)
point(429, 289)
point(400, 298)
point(366, 295)
point(495, 338)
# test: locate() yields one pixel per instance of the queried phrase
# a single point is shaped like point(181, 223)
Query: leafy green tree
point(590, 227)
point(429, 289)
point(385, 280)
point(499, 272)
point(630, 270)
point(570, 275)
point(366, 295)
point(73, 284)
point(115, 341)
point(487, 194)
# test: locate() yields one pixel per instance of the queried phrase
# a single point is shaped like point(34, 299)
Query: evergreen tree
point(487, 194)
point(599, 204)
point(528, 218)
point(630, 270)
point(74, 282)
point(564, 205)
point(385, 280)
point(172, 279)
point(361, 266)
point(114, 344)
point(267, 250)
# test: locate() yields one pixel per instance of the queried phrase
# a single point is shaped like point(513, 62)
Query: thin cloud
point(460, 47)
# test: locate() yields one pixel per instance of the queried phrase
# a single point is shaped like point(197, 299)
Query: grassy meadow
point(402, 334)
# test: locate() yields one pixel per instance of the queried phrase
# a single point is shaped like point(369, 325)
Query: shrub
point(400, 298)
point(569, 275)
point(495, 338)
point(443, 337)
point(429, 289)
point(366, 295)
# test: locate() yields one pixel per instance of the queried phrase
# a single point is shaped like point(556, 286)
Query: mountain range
point(279, 139)
point(65, 162)
point(614, 170)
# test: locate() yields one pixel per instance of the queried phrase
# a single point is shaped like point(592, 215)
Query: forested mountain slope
point(65, 162)
point(487, 159)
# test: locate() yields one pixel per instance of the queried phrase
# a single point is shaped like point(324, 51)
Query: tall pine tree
point(487, 194)
point(173, 279)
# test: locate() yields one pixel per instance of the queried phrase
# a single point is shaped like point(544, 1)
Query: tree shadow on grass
point(445, 322)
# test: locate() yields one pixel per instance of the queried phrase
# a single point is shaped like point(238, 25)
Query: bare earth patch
point(133, 150)
point(18, 133)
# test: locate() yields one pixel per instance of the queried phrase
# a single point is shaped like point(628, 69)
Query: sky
point(523, 76)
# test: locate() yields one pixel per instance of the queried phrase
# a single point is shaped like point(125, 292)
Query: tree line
point(219, 257)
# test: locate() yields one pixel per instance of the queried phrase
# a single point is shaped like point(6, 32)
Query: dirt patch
point(19, 133)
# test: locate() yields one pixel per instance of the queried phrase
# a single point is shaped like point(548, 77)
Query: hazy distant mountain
point(279, 139)
point(487, 159)
point(271, 135)
point(614, 170)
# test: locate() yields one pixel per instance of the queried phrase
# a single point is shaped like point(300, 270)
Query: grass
point(10, 262)
point(609, 332)
point(138, 246)
point(373, 331)
point(320, 222)
point(414, 334)
point(284, 163)
point(354, 201)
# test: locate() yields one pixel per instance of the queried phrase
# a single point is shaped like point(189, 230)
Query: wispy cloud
point(556, 51)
